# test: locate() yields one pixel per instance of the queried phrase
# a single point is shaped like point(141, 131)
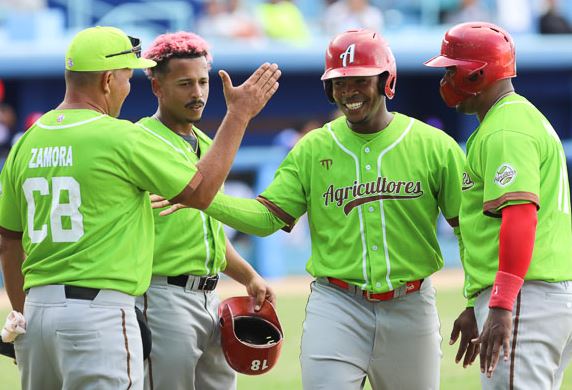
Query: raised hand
point(247, 99)
point(466, 326)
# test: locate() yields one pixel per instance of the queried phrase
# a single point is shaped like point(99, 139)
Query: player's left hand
point(466, 326)
point(158, 202)
point(259, 289)
point(496, 334)
point(15, 326)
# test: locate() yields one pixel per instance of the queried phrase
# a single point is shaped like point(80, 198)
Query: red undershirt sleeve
point(516, 243)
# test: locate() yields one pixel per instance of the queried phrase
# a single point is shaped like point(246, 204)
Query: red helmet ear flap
point(386, 84)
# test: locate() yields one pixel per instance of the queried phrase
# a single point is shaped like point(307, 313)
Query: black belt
point(206, 283)
point(85, 293)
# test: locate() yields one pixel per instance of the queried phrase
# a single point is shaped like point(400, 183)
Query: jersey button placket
point(372, 218)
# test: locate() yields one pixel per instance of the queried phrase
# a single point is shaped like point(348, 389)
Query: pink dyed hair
point(177, 45)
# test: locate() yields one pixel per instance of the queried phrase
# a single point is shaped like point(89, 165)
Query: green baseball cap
point(105, 48)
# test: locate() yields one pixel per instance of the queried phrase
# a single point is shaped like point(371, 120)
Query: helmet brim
point(352, 71)
point(445, 62)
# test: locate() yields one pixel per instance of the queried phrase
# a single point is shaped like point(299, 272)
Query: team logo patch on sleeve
point(505, 175)
point(468, 183)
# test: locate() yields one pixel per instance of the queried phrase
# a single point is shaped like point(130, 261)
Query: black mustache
point(194, 103)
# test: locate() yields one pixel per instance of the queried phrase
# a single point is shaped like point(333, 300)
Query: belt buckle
point(401, 291)
point(368, 296)
point(209, 283)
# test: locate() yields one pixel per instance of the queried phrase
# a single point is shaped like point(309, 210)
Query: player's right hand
point(494, 337)
point(247, 99)
point(466, 326)
point(158, 202)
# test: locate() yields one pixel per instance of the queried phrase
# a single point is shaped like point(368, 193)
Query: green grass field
point(286, 374)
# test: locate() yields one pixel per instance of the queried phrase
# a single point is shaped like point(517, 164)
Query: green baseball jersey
point(76, 186)
point(515, 156)
point(372, 200)
point(188, 241)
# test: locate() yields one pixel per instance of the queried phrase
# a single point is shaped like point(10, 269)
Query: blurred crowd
point(296, 21)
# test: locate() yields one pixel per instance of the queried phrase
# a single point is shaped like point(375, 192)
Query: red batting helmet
point(251, 340)
point(482, 53)
point(359, 53)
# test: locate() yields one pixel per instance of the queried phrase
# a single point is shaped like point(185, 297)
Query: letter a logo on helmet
point(349, 52)
point(251, 340)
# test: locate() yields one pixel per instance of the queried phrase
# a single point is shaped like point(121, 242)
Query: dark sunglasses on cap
point(136, 43)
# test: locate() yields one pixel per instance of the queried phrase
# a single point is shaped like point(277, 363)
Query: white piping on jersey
point(207, 246)
point(47, 127)
point(361, 229)
point(383, 229)
point(178, 150)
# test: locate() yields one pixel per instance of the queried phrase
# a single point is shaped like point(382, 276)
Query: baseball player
point(181, 307)
point(75, 219)
point(515, 217)
point(373, 183)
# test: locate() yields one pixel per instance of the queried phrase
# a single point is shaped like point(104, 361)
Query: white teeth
point(354, 106)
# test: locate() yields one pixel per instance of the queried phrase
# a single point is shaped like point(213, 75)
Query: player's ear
point(156, 86)
point(106, 81)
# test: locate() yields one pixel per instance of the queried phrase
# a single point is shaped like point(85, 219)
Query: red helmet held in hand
point(251, 340)
point(360, 53)
point(481, 54)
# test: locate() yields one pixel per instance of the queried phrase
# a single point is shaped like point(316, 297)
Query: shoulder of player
point(125, 124)
point(429, 133)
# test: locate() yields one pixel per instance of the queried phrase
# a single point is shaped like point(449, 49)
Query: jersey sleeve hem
point(492, 208)
point(10, 233)
point(189, 188)
point(277, 211)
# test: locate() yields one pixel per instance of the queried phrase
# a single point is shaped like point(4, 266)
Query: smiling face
point(360, 100)
point(183, 89)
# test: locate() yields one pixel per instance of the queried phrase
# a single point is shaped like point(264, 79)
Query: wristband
point(504, 290)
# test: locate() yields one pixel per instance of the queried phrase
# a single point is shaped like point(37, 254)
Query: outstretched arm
point(249, 216)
